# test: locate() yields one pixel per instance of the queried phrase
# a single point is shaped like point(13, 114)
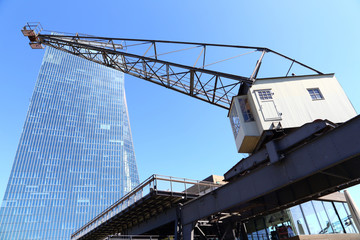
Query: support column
point(188, 232)
point(243, 231)
point(178, 225)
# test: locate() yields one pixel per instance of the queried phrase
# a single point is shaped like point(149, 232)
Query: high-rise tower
point(75, 156)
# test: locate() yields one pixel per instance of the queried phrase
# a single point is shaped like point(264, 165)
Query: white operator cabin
point(284, 103)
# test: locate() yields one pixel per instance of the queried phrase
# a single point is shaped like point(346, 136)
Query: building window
point(312, 220)
point(320, 211)
point(315, 94)
point(345, 218)
point(333, 217)
point(245, 110)
point(265, 94)
point(235, 121)
point(298, 220)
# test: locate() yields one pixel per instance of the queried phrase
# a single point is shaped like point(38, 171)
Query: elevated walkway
point(156, 197)
point(139, 237)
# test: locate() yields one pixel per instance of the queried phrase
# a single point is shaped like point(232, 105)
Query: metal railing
point(32, 29)
point(154, 183)
point(140, 237)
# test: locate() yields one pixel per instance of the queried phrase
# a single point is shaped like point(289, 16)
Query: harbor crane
point(190, 68)
point(298, 124)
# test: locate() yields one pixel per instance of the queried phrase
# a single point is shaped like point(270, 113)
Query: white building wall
point(293, 102)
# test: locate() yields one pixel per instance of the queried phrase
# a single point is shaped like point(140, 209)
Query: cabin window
point(235, 121)
point(315, 94)
point(245, 110)
point(265, 94)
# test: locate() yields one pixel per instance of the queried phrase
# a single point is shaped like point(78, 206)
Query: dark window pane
point(245, 110)
point(260, 227)
point(250, 227)
point(265, 94)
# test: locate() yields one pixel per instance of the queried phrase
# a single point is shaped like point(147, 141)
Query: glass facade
point(75, 156)
point(313, 217)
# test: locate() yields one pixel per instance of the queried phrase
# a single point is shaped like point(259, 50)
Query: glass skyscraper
point(75, 156)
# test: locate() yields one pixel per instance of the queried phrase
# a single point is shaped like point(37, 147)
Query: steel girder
point(312, 168)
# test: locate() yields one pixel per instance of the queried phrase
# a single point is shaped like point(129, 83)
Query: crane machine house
point(277, 104)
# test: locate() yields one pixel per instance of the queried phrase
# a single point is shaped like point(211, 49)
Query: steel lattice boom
point(131, 56)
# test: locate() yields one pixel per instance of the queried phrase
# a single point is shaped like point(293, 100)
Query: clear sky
point(173, 134)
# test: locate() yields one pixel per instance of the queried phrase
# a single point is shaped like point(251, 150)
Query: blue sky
point(173, 134)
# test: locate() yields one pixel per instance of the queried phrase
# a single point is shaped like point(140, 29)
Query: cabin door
point(267, 105)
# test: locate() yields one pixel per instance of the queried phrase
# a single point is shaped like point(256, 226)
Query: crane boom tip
point(32, 31)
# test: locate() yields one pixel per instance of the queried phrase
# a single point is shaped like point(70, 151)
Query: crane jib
point(209, 85)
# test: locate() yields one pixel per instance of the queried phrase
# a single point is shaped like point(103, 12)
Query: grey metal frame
point(300, 167)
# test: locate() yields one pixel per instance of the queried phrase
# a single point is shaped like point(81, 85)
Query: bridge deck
point(150, 199)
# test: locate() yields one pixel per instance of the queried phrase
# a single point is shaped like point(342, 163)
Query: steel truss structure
point(146, 59)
